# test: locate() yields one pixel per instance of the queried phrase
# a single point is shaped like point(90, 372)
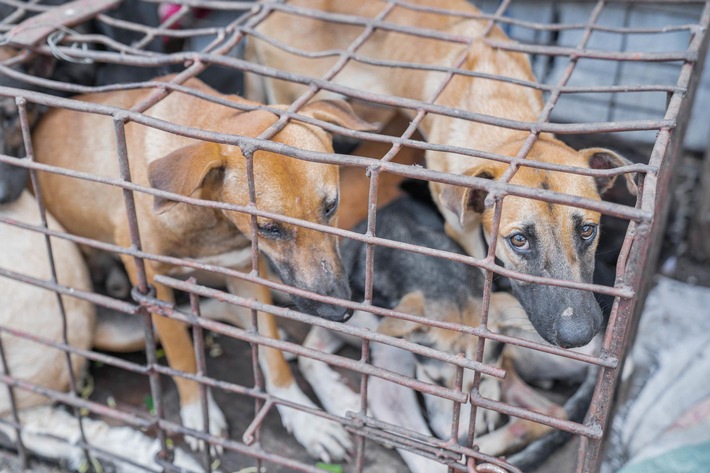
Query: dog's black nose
point(333, 312)
point(574, 330)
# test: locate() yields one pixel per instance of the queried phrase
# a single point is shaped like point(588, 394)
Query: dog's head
point(546, 239)
point(304, 258)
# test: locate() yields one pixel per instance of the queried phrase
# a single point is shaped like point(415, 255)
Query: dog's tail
point(52, 433)
point(576, 407)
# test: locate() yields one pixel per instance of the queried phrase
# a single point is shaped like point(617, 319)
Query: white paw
point(486, 419)
point(191, 415)
point(337, 398)
point(322, 438)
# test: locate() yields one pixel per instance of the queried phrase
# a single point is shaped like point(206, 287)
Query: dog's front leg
point(518, 433)
point(398, 405)
point(322, 438)
point(180, 354)
point(332, 392)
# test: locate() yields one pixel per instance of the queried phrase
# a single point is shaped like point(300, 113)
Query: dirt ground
point(130, 392)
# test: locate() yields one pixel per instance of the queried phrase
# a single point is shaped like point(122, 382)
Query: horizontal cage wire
point(153, 59)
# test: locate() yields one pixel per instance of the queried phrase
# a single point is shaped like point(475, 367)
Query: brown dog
point(535, 237)
point(304, 258)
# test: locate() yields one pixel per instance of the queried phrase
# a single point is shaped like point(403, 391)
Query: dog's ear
point(338, 112)
point(460, 199)
point(183, 171)
point(601, 158)
point(411, 303)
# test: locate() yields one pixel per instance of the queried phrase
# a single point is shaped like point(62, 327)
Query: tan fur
point(36, 310)
point(47, 431)
point(205, 170)
point(516, 433)
point(478, 95)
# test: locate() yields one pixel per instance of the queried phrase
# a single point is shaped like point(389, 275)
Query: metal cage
point(59, 34)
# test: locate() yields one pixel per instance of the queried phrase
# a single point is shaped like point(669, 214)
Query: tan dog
point(304, 258)
point(535, 237)
point(36, 311)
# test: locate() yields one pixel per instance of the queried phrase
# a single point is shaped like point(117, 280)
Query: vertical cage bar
point(645, 248)
point(142, 288)
point(198, 342)
point(29, 151)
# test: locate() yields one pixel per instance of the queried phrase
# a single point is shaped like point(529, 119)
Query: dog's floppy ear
point(601, 158)
point(460, 199)
point(338, 112)
point(411, 303)
point(183, 171)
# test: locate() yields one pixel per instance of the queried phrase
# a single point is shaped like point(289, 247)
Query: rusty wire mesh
point(635, 263)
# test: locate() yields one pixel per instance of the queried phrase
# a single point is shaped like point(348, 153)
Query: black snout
point(331, 282)
point(13, 180)
point(323, 310)
point(575, 330)
point(565, 317)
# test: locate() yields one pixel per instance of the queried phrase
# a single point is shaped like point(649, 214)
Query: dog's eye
point(330, 208)
point(272, 231)
point(519, 241)
point(588, 231)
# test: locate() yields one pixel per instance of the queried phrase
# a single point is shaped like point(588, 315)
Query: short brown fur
point(478, 95)
point(205, 170)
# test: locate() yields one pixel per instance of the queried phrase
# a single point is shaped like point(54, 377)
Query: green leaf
point(148, 401)
point(331, 467)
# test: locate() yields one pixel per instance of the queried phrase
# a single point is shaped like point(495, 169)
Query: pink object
point(167, 10)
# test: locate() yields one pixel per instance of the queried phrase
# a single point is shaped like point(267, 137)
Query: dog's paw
point(486, 419)
point(322, 438)
point(191, 415)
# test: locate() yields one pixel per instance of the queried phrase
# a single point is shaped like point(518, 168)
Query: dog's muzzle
point(565, 317)
point(332, 312)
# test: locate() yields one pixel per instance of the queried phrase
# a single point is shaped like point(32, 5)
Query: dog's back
point(399, 272)
point(36, 311)
point(90, 146)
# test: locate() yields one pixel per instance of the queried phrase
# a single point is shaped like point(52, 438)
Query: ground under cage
point(264, 251)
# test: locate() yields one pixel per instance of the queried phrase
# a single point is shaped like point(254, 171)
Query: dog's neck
point(198, 232)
